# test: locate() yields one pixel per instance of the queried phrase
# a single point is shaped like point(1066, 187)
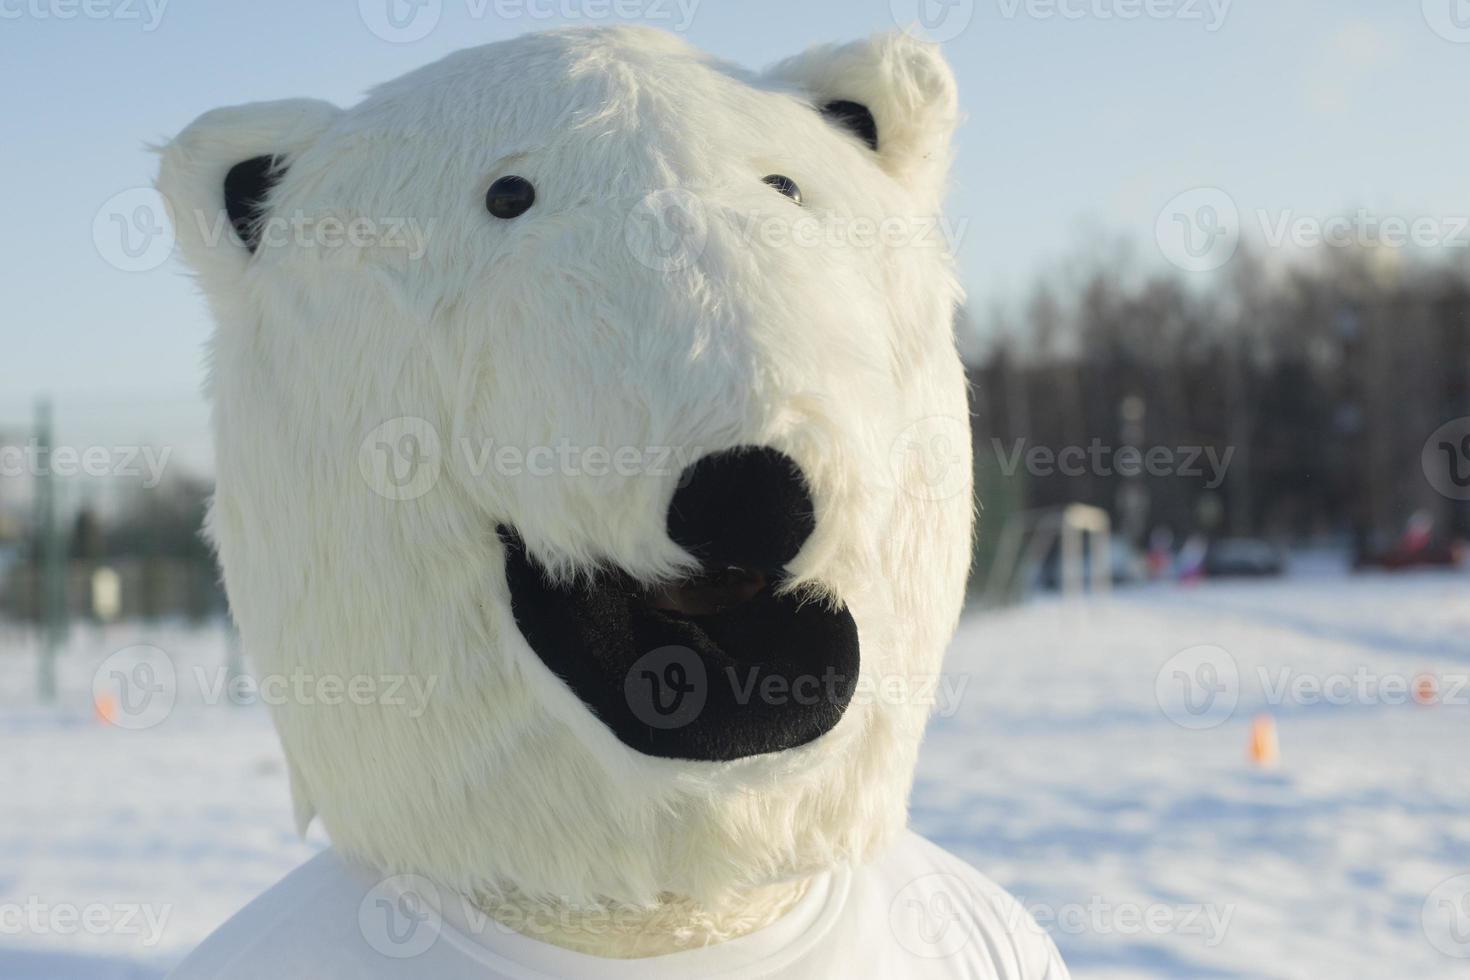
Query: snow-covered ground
point(1065, 776)
point(1091, 757)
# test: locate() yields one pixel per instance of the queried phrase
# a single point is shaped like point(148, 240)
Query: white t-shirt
point(916, 912)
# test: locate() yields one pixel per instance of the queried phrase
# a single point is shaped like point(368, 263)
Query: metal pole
point(1071, 557)
point(50, 567)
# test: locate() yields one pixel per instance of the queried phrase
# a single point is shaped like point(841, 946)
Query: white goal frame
point(1028, 535)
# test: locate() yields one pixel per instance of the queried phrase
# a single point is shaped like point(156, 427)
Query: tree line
point(1313, 386)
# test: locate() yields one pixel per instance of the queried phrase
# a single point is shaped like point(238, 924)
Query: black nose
point(747, 507)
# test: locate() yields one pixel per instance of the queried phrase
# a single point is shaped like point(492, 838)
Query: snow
point(184, 821)
point(1064, 761)
point(1063, 777)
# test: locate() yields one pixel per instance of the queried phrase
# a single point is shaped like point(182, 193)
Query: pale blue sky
point(1078, 124)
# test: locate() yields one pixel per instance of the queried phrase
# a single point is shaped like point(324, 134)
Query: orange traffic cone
point(1265, 748)
point(105, 708)
point(1426, 689)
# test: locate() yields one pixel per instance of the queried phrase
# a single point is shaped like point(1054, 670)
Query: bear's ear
point(893, 92)
point(218, 173)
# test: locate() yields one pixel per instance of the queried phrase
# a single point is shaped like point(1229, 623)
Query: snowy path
point(1149, 848)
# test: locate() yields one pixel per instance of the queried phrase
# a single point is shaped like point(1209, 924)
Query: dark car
point(1243, 557)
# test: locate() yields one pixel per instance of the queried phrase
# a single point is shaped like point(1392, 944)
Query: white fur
point(548, 327)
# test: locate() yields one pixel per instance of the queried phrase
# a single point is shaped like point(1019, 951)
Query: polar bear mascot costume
point(605, 395)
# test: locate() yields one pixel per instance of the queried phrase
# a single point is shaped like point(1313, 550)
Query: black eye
point(510, 197)
point(784, 185)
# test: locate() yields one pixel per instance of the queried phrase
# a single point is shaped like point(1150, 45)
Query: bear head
point(588, 413)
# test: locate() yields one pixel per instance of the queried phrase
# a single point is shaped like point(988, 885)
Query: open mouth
point(718, 666)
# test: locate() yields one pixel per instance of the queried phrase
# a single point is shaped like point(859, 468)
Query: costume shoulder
point(947, 915)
